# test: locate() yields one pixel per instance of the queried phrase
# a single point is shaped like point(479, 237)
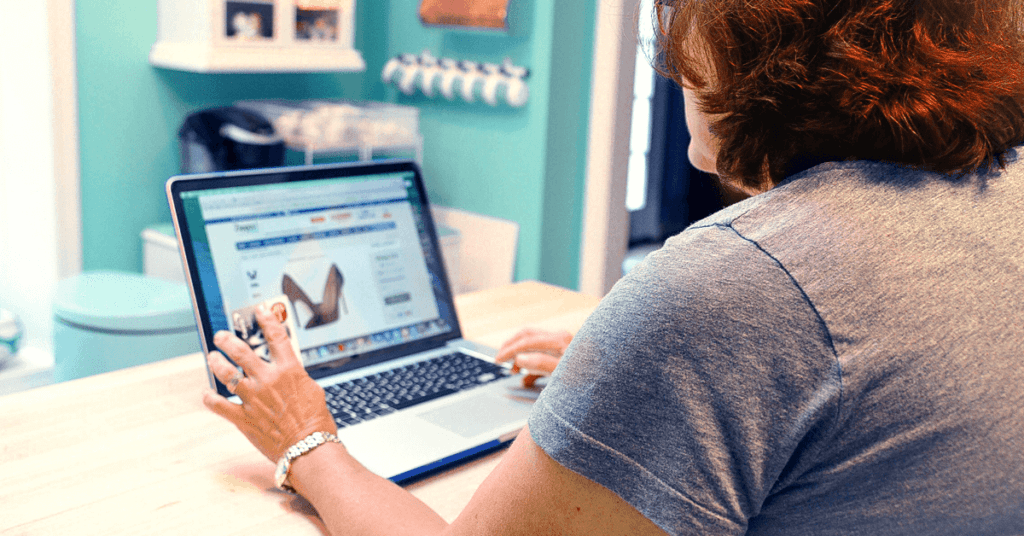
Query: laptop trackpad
point(475, 415)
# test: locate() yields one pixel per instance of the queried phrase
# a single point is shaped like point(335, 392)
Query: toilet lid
point(125, 302)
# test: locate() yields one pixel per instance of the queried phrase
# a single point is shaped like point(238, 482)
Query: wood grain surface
point(134, 451)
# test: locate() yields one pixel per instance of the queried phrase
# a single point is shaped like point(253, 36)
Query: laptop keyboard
point(380, 394)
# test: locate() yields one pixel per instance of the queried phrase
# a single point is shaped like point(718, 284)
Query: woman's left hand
point(281, 404)
point(537, 351)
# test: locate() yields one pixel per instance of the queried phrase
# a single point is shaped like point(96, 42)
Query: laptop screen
point(354, 254)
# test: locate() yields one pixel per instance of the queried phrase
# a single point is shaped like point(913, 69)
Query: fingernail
point(261, 307)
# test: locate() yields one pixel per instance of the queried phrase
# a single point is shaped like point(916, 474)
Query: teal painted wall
point(572, 50)
point(526, 165)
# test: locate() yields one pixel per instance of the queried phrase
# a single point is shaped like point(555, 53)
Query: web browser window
point(347, 254)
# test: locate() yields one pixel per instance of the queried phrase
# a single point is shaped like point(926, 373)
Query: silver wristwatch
point(284, 465)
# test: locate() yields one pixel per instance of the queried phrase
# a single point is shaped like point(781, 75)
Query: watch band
point(284, 465)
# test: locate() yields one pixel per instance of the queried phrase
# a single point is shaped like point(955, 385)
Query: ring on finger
point(233, 382)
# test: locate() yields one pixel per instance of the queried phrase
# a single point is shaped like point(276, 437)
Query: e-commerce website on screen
point(345, 254)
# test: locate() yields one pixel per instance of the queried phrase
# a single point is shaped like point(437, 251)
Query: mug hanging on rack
point(471, 75)
point(391, 67)
point(430, 73)
point(468, 80)
point(516, 91)
point(492, 80)
point(449, 71)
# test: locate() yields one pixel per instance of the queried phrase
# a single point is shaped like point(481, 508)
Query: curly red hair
point(936, 84)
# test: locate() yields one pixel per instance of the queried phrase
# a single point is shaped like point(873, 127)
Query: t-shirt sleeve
point(697, 384)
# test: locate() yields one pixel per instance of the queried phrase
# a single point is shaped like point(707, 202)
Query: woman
point(838, 354)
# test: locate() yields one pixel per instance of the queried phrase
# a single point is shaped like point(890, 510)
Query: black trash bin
point(221, 139)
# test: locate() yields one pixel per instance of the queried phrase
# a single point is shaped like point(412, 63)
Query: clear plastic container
point(390, 124)
point(341, 126)
point(286, 116)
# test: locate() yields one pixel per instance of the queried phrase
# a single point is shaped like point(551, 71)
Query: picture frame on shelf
point(248, 20)
point(316, 24)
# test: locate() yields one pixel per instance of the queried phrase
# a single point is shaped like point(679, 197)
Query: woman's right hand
point(535, 350)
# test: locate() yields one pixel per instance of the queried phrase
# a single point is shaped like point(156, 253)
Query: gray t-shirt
point(843, 354)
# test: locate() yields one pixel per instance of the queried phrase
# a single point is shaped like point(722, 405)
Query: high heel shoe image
point(326, 311)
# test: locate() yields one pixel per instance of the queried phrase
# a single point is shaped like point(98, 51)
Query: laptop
point(349, 253)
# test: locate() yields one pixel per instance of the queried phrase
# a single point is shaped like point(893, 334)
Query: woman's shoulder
point(708, 272)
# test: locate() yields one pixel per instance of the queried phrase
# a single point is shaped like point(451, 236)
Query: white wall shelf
point(234, 36)
point(203, 58)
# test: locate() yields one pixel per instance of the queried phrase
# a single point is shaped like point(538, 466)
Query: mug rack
point(469, 81)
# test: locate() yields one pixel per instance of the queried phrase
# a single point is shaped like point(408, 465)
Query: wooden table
point(135, 452)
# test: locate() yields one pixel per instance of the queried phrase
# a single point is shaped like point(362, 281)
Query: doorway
point(664, 192)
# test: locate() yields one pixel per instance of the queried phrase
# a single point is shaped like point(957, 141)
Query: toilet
point(109, 320)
